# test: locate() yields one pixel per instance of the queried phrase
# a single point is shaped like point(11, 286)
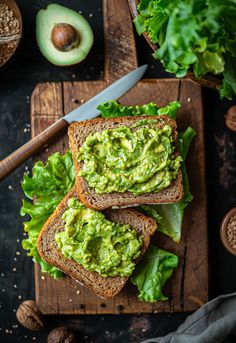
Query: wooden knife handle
point(10, 163)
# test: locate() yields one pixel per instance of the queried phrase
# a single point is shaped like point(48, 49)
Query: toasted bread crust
point(77, 134)
point(104, 287)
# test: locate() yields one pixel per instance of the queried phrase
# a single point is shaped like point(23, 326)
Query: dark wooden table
point(16, 269)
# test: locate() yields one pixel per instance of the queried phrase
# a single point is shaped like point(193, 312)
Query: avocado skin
point(54, 14)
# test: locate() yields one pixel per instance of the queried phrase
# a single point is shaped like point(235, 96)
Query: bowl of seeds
point(10, 30)
point(228, 231)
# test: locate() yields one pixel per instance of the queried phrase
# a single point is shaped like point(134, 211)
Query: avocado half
point(64, 36)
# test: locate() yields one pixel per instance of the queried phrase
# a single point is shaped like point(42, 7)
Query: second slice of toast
point(104, 287)
point(79, 131)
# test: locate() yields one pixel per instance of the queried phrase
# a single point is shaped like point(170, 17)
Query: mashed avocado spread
point(124, 160)
point(97, 243)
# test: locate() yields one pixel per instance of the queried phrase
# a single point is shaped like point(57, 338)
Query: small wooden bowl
point(14, 7)
point(208, 80)
point(223, 229)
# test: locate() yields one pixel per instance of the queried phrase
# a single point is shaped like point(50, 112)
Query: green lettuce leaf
point(169, 217)
point(192, 34)
point(48, 185)
point(112, 109)
point(150, 275)
point(228, 88)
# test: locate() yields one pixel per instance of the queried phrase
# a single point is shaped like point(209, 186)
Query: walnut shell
point(230, 118)
point(64, 37)
point(29, 315)
point(61, 334)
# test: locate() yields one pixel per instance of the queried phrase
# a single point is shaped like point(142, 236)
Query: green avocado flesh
point(96, 243)
point(124, 160)
point(45, 22)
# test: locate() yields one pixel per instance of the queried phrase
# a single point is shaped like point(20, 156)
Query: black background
point(16, 269)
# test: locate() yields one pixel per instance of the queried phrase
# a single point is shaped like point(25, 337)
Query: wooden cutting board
point(188, 288)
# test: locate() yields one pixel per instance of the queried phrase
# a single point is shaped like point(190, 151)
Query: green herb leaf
point(49, 184)
point(150, 275)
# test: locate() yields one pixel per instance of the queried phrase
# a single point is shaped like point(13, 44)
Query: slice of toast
point(104, 287)
point(79, 131)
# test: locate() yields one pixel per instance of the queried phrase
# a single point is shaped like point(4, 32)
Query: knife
point(86, 111)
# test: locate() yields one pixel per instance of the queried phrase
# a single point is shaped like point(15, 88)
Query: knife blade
point(86, 111)
point(113, 92)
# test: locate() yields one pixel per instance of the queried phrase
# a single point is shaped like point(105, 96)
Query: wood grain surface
point(188, 288)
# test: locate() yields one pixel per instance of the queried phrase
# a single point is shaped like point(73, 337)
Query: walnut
point(29, 315)
point(61, 335)
point(231, 118)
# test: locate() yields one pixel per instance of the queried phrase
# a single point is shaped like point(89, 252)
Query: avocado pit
point(64, 37)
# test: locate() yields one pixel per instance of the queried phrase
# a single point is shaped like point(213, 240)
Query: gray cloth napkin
point(213, 322)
